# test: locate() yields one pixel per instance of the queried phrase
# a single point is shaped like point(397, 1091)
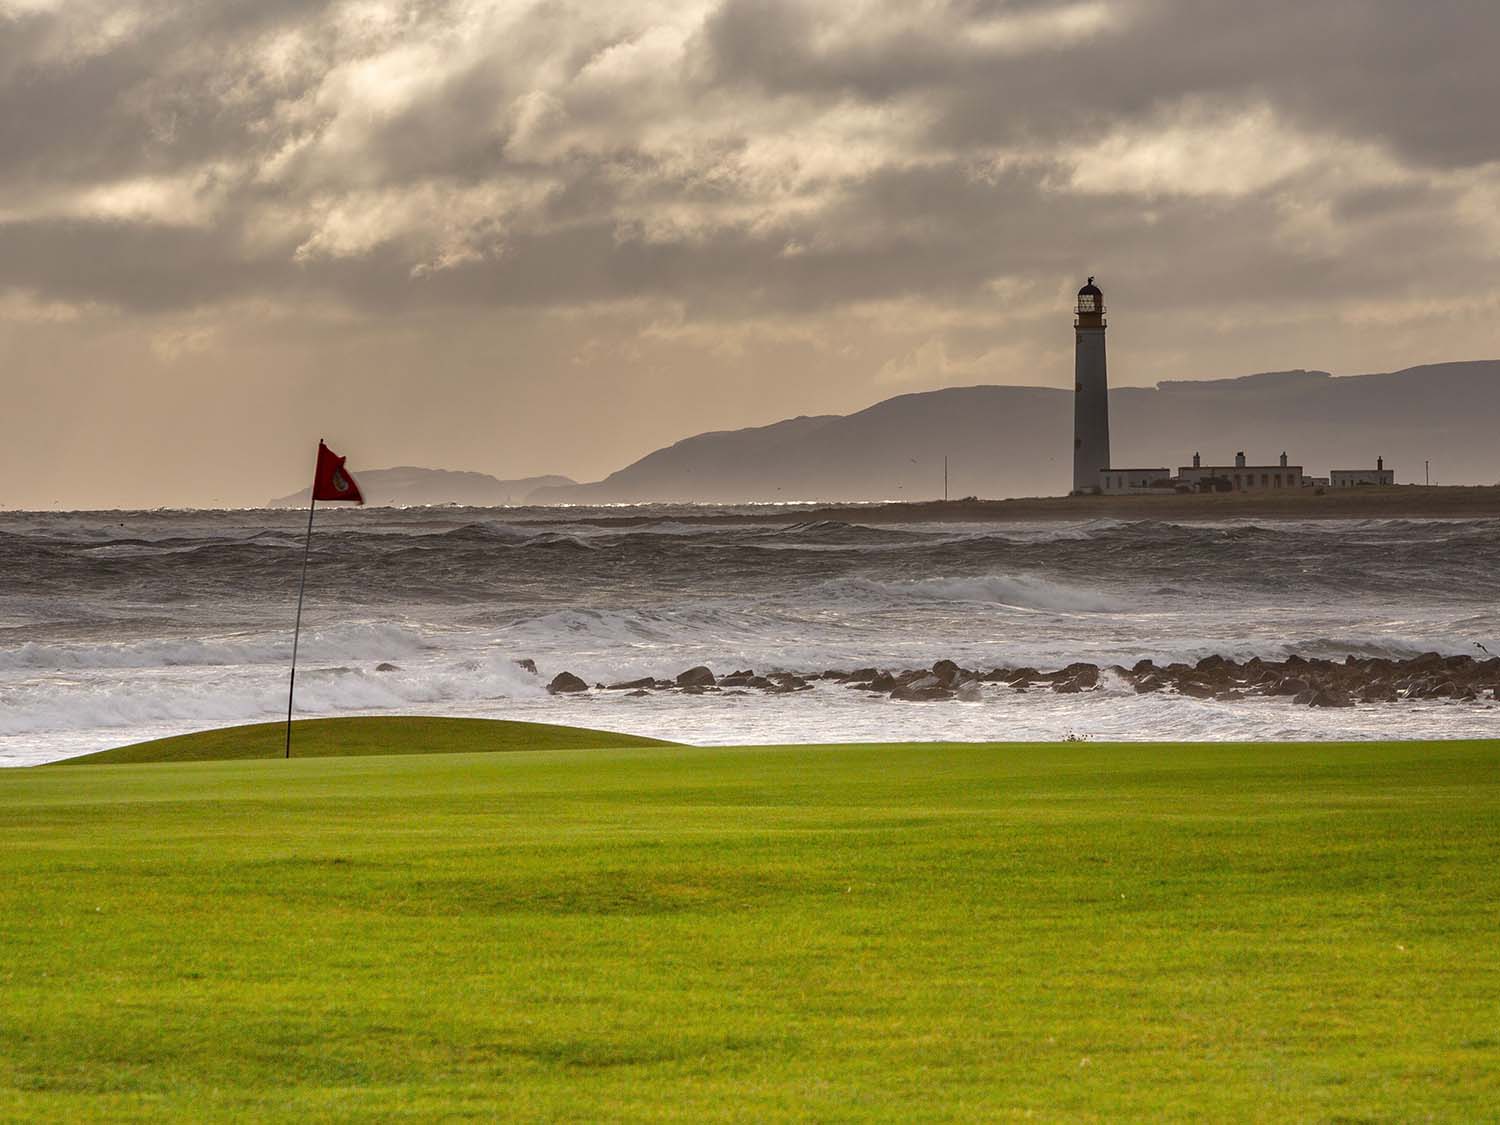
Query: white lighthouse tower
point(1091, 391)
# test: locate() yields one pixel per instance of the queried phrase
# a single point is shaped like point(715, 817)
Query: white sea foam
point(117, 633)
point(1023, 591)
point(340, 642)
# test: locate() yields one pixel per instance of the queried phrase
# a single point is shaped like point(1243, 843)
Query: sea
point(122, 626)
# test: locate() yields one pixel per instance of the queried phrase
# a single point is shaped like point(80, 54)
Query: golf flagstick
point(291, 685)
point(330, 482)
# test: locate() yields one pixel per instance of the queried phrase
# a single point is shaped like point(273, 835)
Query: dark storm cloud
point(548, 153)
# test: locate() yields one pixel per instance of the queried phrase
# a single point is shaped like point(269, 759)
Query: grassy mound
point(355, 737)
point(954, 932)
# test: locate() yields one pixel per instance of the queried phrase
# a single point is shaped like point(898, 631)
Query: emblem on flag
point(332, 481)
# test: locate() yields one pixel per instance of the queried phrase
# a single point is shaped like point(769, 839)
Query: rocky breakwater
point(1310, 682)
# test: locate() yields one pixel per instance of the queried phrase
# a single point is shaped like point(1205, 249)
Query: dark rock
point(921, 690)
point(997, 676)
point(1230, 696)
point(760, 683)
point(1084, 675)
point(528, 664)
point(1143, 667)
point(1149, 684)
point(633, 685)
point(1196, 690)
point(384, 666)
point(566, 682)
point(883, 681)
point(737, 679)
point(946, 671)
point(864, 675)
point(696, 677)
point(1289, 685)
point(628, 694)
point(1324, 698)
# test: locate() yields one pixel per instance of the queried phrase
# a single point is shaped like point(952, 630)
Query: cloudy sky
point(527, 237)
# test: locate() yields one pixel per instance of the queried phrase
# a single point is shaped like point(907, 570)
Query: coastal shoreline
point(1389, 502)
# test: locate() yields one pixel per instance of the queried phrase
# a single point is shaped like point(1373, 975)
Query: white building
point(1240, 477)
point(1119, 482)
point(1351, 478)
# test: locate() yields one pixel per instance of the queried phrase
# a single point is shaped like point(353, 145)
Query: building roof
point(1091, 290)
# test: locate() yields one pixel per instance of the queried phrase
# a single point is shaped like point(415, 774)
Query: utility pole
point(945, 478)
point(1427, 472)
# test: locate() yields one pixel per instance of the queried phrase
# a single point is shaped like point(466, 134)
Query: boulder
point(1195, 689)
point(1084, 675)
point(1289, 685)
point(946, 671)
point(633, 685)
point(1148, 684)
point(385, 666)
point(699, 677)
point(921, 690)
point(527, 664)
point(566, 682)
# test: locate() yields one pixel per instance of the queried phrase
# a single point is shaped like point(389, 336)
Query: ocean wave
point(373, 641)
point(222, 696)
point(1023, 591)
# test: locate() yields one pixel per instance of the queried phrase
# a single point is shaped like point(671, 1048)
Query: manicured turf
point(357, 736)
point(1074, 932)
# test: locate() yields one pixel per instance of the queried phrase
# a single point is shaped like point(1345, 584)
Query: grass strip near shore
point(924, 932)
point(362, 735)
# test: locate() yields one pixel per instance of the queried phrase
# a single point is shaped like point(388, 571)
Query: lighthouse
point(1090, 391)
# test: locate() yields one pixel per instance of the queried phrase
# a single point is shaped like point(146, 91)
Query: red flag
point(332, 481)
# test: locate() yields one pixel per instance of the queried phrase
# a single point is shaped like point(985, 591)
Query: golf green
point(1072, 932)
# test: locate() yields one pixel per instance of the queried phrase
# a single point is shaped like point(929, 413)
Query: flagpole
point(291, 686)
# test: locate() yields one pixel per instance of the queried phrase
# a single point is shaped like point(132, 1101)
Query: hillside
point(407, 485)
point(1016, 441)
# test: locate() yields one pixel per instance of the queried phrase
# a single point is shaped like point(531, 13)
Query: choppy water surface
point(120, 626)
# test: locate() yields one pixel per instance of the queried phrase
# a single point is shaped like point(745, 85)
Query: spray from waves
point(1023, 591)
point(242, 695)
point(372, 641)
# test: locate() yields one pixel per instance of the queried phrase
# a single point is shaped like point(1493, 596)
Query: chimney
point(1197, 461)
point(1239, 459)
point(1283, 458)
point(1380, 464)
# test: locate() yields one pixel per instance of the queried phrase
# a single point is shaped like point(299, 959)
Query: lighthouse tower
point(1091, 391)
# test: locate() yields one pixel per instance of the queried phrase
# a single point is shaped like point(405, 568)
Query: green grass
point(1068, 932)
point(353, 737)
